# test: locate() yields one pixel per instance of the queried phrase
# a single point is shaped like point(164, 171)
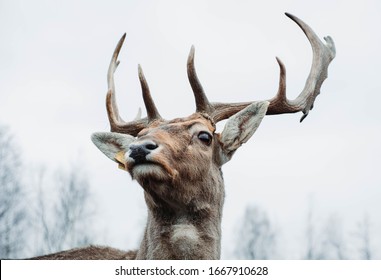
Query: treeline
point(41, 210)
point(258, 238)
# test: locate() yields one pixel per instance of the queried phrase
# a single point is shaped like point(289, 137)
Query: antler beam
point(116, 122)
point(323, 54)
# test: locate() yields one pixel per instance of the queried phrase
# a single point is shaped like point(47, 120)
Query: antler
point(323, 54)
point(202, 102)
point(116, 122)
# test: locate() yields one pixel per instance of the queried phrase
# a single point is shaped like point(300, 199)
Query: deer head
point(156, 151)
point(178, 162)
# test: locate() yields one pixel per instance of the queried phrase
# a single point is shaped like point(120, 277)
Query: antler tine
point(152, 112)
point(112, 108)
point(202, 102)
point(116, 122)
point(323, 54)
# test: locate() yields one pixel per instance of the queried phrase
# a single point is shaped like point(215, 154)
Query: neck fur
point(187, 230)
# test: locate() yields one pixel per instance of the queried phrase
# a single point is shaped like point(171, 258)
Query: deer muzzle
point(139, 152)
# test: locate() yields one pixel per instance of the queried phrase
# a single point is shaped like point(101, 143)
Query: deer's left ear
point(240, 127)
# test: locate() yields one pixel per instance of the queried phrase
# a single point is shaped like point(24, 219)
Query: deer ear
point(113, 145)
point(240, 127)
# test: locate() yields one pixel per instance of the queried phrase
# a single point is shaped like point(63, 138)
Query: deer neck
point(189, 231)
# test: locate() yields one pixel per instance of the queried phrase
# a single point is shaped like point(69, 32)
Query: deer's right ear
point(240, 127)
point(112, 144)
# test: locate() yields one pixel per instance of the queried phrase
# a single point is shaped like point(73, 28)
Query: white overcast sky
point(53, 62)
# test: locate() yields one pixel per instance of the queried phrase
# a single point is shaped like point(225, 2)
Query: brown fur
point(90, 253)
point(190, 197)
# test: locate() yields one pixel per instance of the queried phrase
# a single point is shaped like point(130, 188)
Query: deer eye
point(205, 137)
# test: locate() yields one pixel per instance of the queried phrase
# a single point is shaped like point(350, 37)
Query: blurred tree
point(314, 235)
point(13, 199)
point(256, 238)
point(363, 234)
point(333, 243)
point(64, 211)
point(310, 235)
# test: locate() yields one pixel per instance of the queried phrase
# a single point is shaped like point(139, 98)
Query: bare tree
point(257, 237)
point(64, 210)
point(63, 215)
point(333, 240)
point(330, 240)
point(310, 235)
point(363, 235)
point(13, 222)
point(315, 249)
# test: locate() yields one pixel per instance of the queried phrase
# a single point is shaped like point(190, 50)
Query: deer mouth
point(141, 163)
point(145, 164)
point(158, 169)
point(148, 170)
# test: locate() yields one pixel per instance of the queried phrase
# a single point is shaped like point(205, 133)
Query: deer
point(178, 162)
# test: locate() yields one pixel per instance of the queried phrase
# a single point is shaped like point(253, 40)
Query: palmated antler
point(323, 54)
point(116, 122)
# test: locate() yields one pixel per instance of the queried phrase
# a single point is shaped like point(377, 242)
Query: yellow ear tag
point(119, 157)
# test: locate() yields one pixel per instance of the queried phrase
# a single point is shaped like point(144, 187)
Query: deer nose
point(139, 152)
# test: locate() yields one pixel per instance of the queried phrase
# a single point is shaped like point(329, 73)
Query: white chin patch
point(148, 170)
